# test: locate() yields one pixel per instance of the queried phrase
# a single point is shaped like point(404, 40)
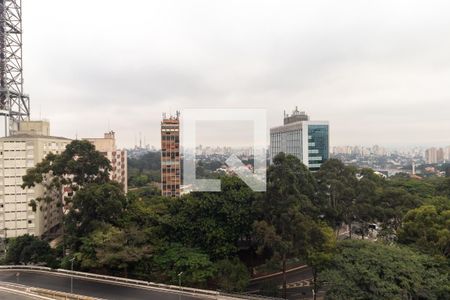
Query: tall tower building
point(305, 139)
point(170, 156)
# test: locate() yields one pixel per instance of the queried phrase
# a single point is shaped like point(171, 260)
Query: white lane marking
point(21, 293)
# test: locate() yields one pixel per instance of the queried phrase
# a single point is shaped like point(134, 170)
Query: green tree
point(28, 249)
point(146, 192)
point(418, 187)
point(176, 262)
point(139, 180)
point(212, 222)
point(317, 249)
point(338, 190)
point(368, 189)
point(290, 186)
point(92, 207)
point(79, 164)
point(443, 186)
point(148, 165)
point(368, 270)
point(113, 248)
point(428, 229)
point(393, 204)
point(232, 275)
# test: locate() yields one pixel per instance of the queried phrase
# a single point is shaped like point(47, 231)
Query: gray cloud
point(378, 71)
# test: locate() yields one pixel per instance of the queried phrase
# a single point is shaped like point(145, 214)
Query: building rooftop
point(296, 116)
point(31, 136)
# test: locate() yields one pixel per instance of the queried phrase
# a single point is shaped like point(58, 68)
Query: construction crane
point(14, 104)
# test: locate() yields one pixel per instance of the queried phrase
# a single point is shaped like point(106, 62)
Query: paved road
point(10, 296)
point(298, 283)
point(87, 287)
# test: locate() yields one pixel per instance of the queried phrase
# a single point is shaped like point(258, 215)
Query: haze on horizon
point(379, 71)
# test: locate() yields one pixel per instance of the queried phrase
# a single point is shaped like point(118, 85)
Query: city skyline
point(389, 76)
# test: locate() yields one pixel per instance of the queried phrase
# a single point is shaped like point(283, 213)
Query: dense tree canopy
point(94, 205)
point(214, 222)
point(144, 169)
point(338, 184)
point(428, 229)
point(232, 275)
point(176, 260)
point(80, 164)
point(27, 249)
point(284, 222)
point(213, 240)
point(367, 270)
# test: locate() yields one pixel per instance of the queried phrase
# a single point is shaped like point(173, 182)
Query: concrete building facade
point(170, 156)
point(118, 158)
point(19, 152)
point(305, 139)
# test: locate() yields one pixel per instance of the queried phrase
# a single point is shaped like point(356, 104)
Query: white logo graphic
point(255, 179)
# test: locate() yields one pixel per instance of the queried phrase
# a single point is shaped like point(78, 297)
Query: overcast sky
point(379, 71)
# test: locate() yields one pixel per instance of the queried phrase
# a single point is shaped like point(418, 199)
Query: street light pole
point(71, 275)
point(179, 283)
point(179, 278)
point(4, 239)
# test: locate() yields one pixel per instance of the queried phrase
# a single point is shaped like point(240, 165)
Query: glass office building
point(305, 139)
point(318, 144)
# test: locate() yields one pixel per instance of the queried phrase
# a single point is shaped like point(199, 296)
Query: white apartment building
point(305, 139)
point(118, 158)
point(19, 152)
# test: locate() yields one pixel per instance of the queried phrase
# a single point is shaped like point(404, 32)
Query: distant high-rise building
point(379, 151)
point(170, 156)
point(26, 147)
point(447, 153)
point(305, 139)
point(117, 157)
point(440, 155)
point(431, 156)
